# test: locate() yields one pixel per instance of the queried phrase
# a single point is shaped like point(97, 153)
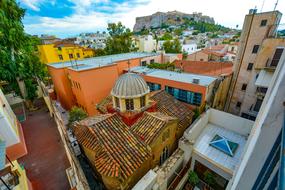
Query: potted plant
point(193, 180)
point(209, 178)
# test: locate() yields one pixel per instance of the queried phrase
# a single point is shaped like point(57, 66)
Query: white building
point(92, 40)
point(147, 44)
point(189, 48)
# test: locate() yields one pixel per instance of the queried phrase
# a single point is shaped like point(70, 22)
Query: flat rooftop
point(219, 140)
point(174, 76)
point(204, 149)
point(95, 62)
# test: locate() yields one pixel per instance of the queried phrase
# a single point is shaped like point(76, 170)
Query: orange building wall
point(95, 85)
point(62, 87)
point(180, 85)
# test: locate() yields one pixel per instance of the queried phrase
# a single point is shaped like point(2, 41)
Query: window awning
point(264, 79)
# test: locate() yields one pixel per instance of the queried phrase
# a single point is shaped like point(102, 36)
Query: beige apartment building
point(258, 55)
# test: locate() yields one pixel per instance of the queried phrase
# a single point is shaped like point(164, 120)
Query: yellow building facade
point(51, 53)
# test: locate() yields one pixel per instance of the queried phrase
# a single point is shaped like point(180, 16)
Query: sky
point(67, 18)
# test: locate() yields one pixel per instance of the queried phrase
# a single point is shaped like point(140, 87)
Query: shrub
point(193, 178)
point(76, 114)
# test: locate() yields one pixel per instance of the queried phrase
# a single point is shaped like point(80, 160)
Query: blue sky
point(66, 18)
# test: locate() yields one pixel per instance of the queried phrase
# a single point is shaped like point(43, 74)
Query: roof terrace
point(218, 140)
point(95, 62)
point(175, 76)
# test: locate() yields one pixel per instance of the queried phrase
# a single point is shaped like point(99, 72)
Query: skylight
point(224, 145)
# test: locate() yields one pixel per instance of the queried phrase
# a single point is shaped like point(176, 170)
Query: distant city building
point(47, 39)
point(12, 147)
point(92, 40)
point(214, 53)
point(147, 44)
point(61, 51)
point(257, 58)
point(189, 48)
point(136, 131)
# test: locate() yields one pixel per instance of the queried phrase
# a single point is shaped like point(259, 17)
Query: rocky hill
point(172, 18)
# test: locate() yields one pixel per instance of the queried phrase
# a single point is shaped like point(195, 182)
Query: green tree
point(100, 52)
point(166, 36)
point(184, 55)
point(76, 114)
point(172, 46)
point(19, 63)
point(120, 39)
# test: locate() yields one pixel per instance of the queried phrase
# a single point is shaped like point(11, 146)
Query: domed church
point(135, 132)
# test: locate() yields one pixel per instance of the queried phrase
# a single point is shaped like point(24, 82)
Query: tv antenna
point(275, 5)
point(262, 6)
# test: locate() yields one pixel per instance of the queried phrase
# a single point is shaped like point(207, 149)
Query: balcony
point(276, 31)
point(9, 178)
point(261, 91)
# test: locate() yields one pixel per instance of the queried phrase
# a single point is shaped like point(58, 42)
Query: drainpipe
point(282, 156)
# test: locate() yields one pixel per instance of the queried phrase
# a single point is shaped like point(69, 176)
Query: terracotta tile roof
point(102, 106)
point(168, 105)
point(211, 68)
point(212, 52)
point(118, 152)
point(149, 126)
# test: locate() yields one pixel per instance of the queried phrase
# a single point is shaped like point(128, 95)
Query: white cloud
point(33, 4)
point(90, 18)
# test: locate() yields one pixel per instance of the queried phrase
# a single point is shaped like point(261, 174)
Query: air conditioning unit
point(196, 80)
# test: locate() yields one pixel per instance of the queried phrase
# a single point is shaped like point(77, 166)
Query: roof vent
point(196, 81)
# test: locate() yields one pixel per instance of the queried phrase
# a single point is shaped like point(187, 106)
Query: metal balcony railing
point(276, 31)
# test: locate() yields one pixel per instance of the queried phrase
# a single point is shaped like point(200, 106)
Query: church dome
point(130, 85)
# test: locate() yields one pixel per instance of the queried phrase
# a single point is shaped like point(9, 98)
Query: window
point(70, 56)
point(243, 87)
point(60, 57)
point(182, 95)
point(238, 104)
point(117, 102)
point(257, 105)
point(129, 104)
point(276, 57)
point(163, 156)
point(78, 55)
point(143, 63)
point(255, 48)
point(263, 23)
point(142, 101)
point(249, 66)
point(170, 90)
point(152, 61)
point(153, 86)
